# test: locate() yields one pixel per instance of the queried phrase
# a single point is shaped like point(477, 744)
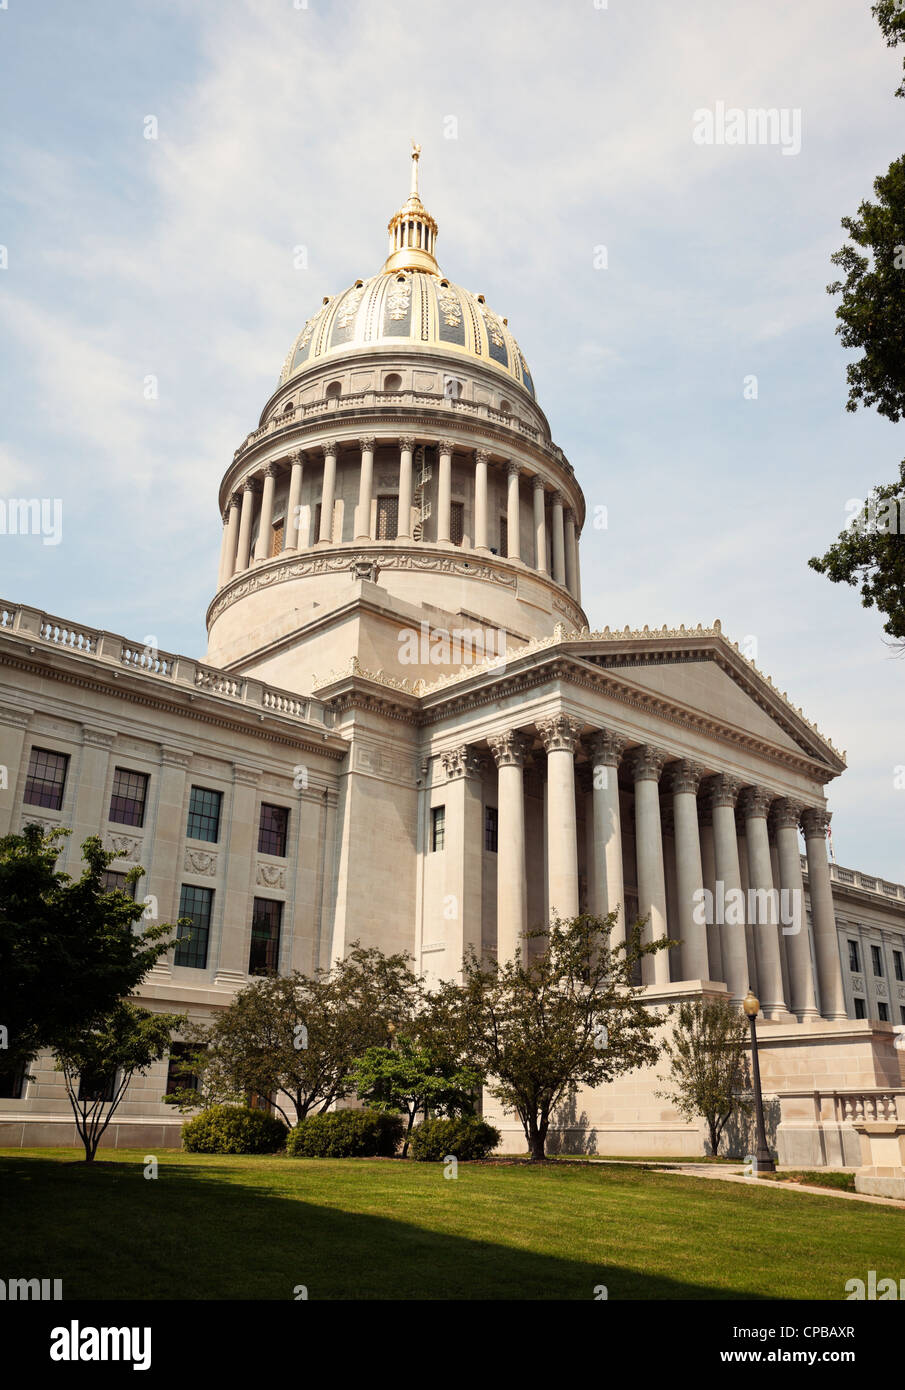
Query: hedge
point(346, 1134)
point(466, 1138)
point(233, 1129)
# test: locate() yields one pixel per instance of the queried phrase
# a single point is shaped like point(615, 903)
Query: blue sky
point(280, 126)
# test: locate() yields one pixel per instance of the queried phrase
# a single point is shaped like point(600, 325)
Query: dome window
point(444, 284)
point(359, 284)
point(333, 391)
point(481, 299)
point(452, 388)
point(505, 408)
point(393, 382)
point(288, 408)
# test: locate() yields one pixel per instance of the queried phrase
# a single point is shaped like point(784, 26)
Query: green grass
point(247, 1227)
point(842, 1182)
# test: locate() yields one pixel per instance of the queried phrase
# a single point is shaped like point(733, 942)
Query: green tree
point(871, 552)
point(69, 950)
point(99, 1060)
point(571, 1016)
point(890, 15)
point(707, 1053)
point(410, 1078)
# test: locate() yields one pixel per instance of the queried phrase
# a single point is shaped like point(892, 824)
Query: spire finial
point(413, 232)
point(416, 155)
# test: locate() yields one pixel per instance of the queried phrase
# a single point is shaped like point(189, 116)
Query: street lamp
point(763, 1157)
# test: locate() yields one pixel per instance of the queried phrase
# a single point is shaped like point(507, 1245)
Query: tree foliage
point(870, 552)
point(708, 1064)
point(411, 1078)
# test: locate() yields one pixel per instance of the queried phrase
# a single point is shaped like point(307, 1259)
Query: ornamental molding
point(559, 733)
point(858, 982)
point(176, 757)
point(123, 846)
point(246, 776)
point(14, 717)
point(271, 876)
point(200, 861)
point(43, 821)
point(98, 738)
point(510, 748)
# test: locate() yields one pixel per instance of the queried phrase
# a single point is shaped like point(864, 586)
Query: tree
point(293, 1038)
point(890, 15)
point(708, 1057)
point(69, 950)
point(871, 552)
point(408, 1078)
point(99, 1060)
point(570, 1016)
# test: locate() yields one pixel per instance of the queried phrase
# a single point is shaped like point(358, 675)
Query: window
point(883, 1010)
point(191, 945)
point(95, 1086)
point(505, 408)
point(854, 957)
point(317, 524)
point(504, 536)
point(393, 382)
point(490, 828)
point(438, 827)
point(272, 830)
point(127, 804)
point(902, 1012)
point(46, 778)
point(276, 540)
point(177, 1078)
point(898, 965)
point(876, 957)
point(112, 882)
point(204, 815)
point(387, 518)
point(860, 1010)
point(12, 1082)
point(266, 918)
point(334, 391)
point(456, 522)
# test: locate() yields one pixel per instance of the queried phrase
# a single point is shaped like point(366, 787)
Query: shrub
point(346, 1134)
point(233, 1129)
point(468, 1137)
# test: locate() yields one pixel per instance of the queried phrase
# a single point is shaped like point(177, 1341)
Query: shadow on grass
point(205, 1232)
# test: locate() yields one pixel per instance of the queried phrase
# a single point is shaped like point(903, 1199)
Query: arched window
point(393, 382)
point(333, 391)
point(505, 408)
point(288, 408)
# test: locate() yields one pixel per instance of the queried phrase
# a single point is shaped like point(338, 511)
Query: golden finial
point(412, 231)
point(416, 155)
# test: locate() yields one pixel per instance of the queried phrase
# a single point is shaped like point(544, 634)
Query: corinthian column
point(404, 526)
point(509, 751)
point(803, 1001)
point(230, 535)
point(291, 532)
point(570, 551)
point(684, 780)
point(559, 736)
point(243, 549)
point(365, 488)
point(829, 974)
point(480, 499)
point(265, 522)
point(559, 540)
point(755, 805)
point(513, 517)
point(606, 749)
point(723, 792)
point(540, 528)
point(444, 490)
point(328, 491)
point(645, 764)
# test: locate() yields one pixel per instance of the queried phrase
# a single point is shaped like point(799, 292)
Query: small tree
point(99, 1061)
point(569, 1017)
point(408, 1078)
point(708, 1059)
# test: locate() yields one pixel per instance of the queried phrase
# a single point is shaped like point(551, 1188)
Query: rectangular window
point(276, 540)
point(898, 965)
point(884, 1012)
point(387, 518)
point(491, 825)
point(264, 957)
point(860, 1010)
point(504, 536)
point(273, 830)
point(112, 881)
point(457, 522)
point(177, 1078)
point(854, 957)
point(93, 1086)
point(902, 1012)
point(12, 1083)
point(315, 535)
point(46, 778)
point(876, 956)
point(191, 945)
point(204, 814)
point(438, 827)
point(127, 804)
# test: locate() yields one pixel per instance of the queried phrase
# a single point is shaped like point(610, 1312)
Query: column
point(540, 528)
point(513, 512)
point(265, 524)
point(606, 749)
point(243, 548)
point(230, 538)
point(705, 830)
point(365, 489)
point(90, 804)
point(404, 526)
point(559, 736)
point(291, 533)
point(729, 901)
point(684, 780)
point(815, 822)
point(464, 850)
point(328, 492)
point(168, 836)
point(444, 490)
point(480, 499)
point(646, 764)
point(803, 999)
point(576, 564)
point(559, 543)
point(755, 805)
point(570, 550)
point(510, 750)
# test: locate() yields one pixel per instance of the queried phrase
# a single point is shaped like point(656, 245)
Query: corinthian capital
point(463, 761)
point(786, 814)
point(722, 790)
point(606, 748)
point(815, 821)
point(559, 733)
point(482, 455)
point(366, 443)
point(513, 468)
point(684, 776)
point(646, 762)
point(447, 446)
point(329, 447)
point(754, 803)
point(509, 749)
point(407, 443)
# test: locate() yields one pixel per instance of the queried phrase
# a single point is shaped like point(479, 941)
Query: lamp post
point(763, 1157)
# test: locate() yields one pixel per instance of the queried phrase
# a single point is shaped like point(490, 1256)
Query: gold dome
point(409, 304)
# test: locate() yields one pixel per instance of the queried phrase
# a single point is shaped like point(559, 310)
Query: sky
point(669, 294)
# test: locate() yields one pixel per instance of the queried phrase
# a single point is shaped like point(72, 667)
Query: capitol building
point(406, 732)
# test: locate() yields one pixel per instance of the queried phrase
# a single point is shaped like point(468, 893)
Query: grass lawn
point(242, 1227)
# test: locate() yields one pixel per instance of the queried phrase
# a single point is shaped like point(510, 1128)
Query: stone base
point(881, 1187)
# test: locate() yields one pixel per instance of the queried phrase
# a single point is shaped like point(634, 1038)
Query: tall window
point(12, 1082)
point(130, 790)
point(178, 1079)
point(898, 965)
point(315, 537)
point(457, 522)
point(272, 830)
point(491, 825)
point(854, 957)
point(860, 1009)
point(264, 957)
point(112, 881)
point(204, 814)
point(876, 956)
point(46, 778)
point(883, 1010)
point(191, 945)
point(387, 518)
point(96, 1086)
point(438, 827)
point(276, 538)
point(504, 536)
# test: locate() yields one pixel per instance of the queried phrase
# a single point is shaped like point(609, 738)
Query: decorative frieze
point(123, 846)
point(271, 876)
point(200, 861)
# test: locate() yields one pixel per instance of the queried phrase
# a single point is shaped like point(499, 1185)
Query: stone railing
point(109, 649)
point(845, 1106)
point(855, 879)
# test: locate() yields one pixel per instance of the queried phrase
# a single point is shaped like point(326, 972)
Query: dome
point(410, 303)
